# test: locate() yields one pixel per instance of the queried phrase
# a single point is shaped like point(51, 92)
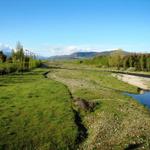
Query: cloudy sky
point(55, 27)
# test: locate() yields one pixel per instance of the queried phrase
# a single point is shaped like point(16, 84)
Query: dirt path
point(141, 82)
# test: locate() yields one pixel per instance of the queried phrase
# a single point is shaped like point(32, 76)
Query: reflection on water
point(142, 98)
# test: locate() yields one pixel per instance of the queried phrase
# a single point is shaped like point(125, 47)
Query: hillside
point(121, 60)
point(77, 55)
point(85, 55)
point(105, 59)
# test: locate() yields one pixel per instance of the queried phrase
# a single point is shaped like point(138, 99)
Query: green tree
point(131, 61)
point(126, 62)
point(141, 60)
point(19, 57)
point(148, 62)
point(2, 57)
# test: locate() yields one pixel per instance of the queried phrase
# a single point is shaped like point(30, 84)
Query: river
point(142, 98)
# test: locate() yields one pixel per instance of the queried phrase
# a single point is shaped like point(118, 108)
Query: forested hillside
point(121, 60)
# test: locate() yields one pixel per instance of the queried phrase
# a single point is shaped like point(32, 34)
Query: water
point(142, 98)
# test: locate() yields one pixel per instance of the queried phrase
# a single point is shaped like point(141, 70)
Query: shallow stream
point(142, 98)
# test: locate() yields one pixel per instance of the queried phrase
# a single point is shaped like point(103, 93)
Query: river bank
point(140, 82)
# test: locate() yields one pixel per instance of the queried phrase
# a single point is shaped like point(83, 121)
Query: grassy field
point(35, 113)
point(118, 122)
point(41, 113)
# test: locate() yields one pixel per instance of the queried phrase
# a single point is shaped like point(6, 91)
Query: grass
point(35, 113)
point(118, 122)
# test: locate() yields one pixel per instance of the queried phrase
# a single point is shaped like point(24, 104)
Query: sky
point(56, 27)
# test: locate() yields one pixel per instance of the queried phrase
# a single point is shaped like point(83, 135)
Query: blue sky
point(52, 27)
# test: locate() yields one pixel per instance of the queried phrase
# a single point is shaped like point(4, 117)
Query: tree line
point(130, 61)
point(141, 62)
point(20, 60)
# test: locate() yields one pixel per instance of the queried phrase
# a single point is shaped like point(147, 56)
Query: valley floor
point(118, 122)
point(74, 107)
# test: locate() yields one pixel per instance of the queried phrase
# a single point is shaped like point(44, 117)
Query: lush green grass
point(35, 113)
point(118, 120)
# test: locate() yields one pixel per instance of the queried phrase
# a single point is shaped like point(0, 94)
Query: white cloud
point(5, 48)
point(52, 50)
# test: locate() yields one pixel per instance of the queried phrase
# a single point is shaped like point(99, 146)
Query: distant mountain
point(119, 51)
point(86, 55)
point(113, 52)
point(6, 50)
point(77, 55)
point(42, 57)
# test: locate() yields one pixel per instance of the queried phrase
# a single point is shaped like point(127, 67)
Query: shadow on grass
point(82, 131)
point(133, 146)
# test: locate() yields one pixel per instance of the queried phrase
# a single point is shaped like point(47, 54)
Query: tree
point(19, 56)
point(141, 60)
point(126, 62)
point(131, 61)
point(2, 57)
point(19, 46)
point(148, 62)
point(19, 51)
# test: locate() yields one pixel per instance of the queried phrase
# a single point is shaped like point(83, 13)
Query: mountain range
point(86, 55)
point(76, 55)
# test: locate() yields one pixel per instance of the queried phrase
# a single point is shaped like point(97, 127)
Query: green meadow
point(49, 112)
point(117, 122)
point(35, 113)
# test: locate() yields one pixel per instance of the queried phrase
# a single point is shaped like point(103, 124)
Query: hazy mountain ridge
point(76, 55)
point(6, 50)
point(85, 55)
